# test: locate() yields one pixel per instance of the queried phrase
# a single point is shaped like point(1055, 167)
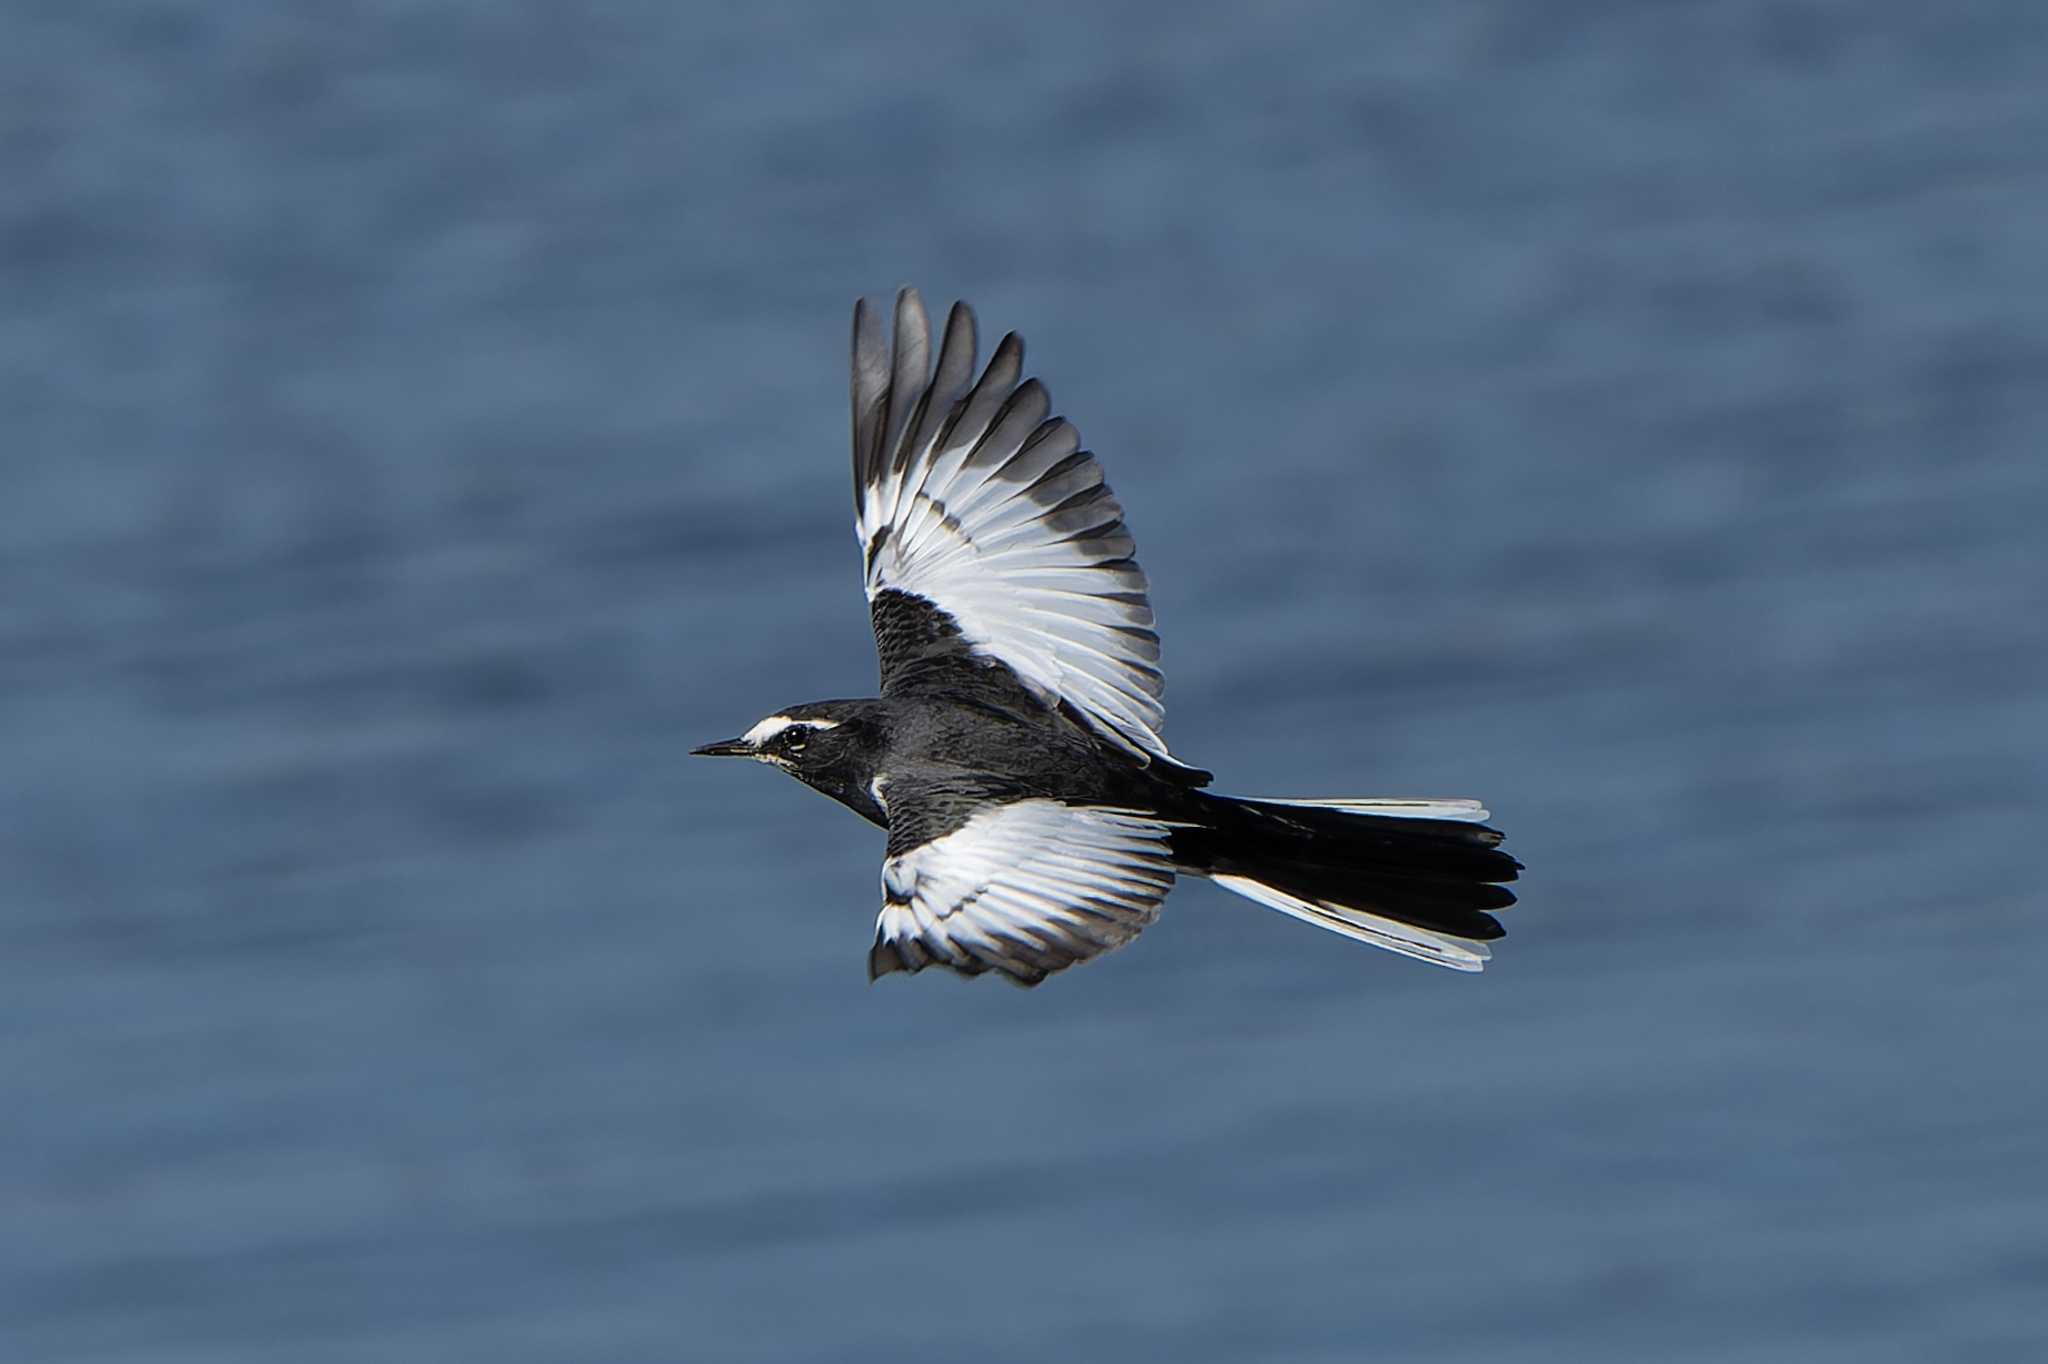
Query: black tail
point(1423, 884)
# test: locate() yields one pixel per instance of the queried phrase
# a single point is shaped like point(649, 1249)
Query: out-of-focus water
point(423, 422)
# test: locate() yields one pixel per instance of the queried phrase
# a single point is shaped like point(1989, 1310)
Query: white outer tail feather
point(1464, 811)
point(1441, 949)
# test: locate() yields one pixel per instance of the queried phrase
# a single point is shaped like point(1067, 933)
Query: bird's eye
point(793, 739)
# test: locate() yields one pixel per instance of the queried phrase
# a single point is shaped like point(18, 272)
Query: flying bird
point(1036, 817)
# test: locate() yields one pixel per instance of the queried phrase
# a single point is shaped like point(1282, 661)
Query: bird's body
point(1035, 815)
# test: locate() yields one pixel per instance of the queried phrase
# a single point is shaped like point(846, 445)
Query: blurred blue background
point(424, 421)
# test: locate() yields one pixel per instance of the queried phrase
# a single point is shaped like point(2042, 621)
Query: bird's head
point(830, 745)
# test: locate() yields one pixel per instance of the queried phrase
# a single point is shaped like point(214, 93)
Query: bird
point(1036, 818)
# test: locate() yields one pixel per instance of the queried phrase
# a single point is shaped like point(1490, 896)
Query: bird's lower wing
point(1025, 888)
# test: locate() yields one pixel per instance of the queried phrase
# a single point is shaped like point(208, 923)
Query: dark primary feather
point(909, 369)
point(986, 401)
point(870, 390)
point(949, 383)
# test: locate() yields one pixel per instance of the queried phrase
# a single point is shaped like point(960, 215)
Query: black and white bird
point(1035, 816)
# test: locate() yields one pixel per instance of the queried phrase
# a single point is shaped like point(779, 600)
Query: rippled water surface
point(425, 421)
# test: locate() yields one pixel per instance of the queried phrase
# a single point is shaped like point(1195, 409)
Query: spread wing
point(1026, 888)
point(989, 536)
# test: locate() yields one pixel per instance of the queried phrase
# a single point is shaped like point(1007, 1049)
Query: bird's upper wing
point(1025, 888)
point(989, 535)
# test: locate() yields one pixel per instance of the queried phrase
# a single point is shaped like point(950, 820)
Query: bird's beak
point(725, 748)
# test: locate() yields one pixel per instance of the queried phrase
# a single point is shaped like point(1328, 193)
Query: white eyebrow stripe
point(775, 724)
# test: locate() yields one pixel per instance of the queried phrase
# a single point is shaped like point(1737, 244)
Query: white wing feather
point(1025, 888)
